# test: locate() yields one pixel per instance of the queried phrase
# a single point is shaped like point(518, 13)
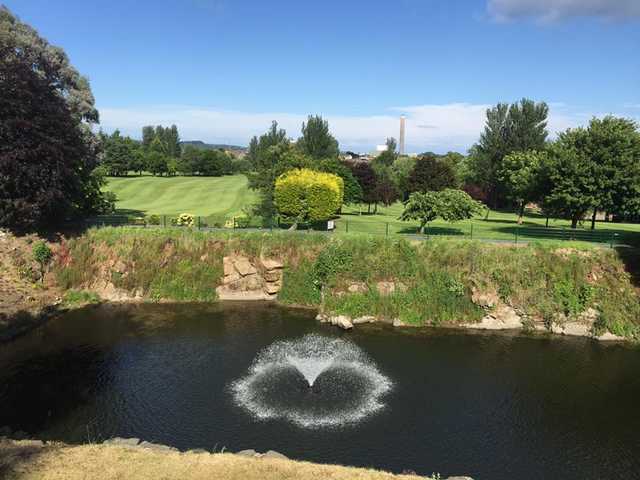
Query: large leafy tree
point(352, 189)
point(451, 205)
point(316, 141)
point(520, 174)
point(509, 128)
point(401, 171)
point(368, 180)
point(570, 176)
point(47, 150)
point(272, 156)
point(613, 146)
point(431, 174)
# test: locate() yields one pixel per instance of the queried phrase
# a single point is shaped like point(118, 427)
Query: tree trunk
point(593, 219)
point(547, 224)
point(574, 222)
point(368, 208)
point(521, 213)
point(375, 208)
point(294, 226)
point(322, 299)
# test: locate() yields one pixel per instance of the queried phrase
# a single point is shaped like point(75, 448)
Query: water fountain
point(313, 382)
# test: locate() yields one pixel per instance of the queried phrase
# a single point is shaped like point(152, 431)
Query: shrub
point(308, 196)
point(42, 254)
point(153, 220)
point(185, 220)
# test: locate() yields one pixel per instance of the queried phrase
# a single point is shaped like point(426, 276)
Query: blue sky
point(223, 69)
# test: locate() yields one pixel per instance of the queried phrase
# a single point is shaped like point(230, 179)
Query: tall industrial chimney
point(401, 134)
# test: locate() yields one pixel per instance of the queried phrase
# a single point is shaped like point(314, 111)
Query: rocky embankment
point(119, 458)
point(26, 299)
point(498, 316)
point(247, 280)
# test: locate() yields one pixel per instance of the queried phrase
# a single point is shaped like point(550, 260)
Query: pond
point(237, 376)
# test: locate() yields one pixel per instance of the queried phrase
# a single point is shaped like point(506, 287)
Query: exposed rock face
point(341, 321)
point(358, 287)
point(487, 299)
point(244, 280)
point(502, 318)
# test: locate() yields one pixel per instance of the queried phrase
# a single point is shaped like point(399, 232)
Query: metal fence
point(475, 230)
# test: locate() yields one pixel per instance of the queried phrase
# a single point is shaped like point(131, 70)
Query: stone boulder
point(274, 454)
point(358, 287)
point(250, 452)
point(123, 442)
point(365, 319)
point(243, 280)
point(342, 321)
point(486, 299)
point(504, 317)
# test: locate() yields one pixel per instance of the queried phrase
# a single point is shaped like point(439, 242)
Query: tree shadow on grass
point(435, 231)
point(16, 457)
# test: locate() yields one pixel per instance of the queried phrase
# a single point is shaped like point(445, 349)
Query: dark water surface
point(487, 405)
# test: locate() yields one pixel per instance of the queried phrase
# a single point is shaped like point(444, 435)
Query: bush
point(153, 220)
point(308, 196)
point(43, 255)
point(185, 220)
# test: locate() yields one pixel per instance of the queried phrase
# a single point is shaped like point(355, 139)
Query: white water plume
point(313, 382)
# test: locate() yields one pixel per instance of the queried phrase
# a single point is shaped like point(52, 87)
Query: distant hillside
point(213, 146)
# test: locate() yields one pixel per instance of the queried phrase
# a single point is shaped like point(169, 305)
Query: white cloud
point(454, 126)
point(553, 10)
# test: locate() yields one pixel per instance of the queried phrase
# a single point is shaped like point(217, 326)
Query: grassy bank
point(420, 283)
point(24, 461)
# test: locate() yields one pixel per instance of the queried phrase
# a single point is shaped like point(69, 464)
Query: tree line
point(161, 153)
point(583, 171)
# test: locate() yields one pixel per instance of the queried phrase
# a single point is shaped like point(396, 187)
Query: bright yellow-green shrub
point(308, 196)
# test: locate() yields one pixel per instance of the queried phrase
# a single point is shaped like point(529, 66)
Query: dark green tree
point(570, 176)
point(47, 149)
point(316, 141)
point(273, 156)
point(509, 128)
point(520, 174)
point(614, 148)
point(368, 180)
point(148, 134)
point(352, 189)
point(431, 174)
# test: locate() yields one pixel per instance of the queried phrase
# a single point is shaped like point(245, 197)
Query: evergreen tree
point(148, 134)
point(316, 141)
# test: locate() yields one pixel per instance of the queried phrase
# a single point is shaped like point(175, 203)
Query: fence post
point(613, 238)
point(164, 221)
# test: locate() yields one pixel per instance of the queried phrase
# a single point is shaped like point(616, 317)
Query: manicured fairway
point(221, 198)
point(204, 196)
point(498, 226)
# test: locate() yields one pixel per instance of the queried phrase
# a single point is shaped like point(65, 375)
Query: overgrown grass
point(433, 280)
point(73, 298)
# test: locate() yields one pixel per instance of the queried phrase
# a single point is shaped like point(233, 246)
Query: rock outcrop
point(247, 280)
